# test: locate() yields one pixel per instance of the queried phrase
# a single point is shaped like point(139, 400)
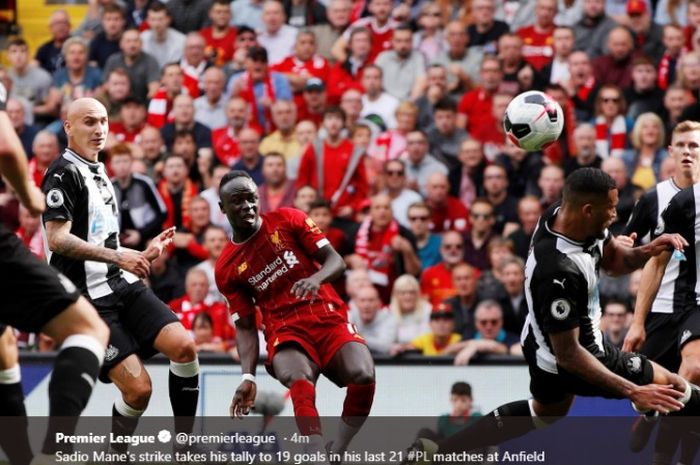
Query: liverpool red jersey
point(262, 270)
point(538, 48)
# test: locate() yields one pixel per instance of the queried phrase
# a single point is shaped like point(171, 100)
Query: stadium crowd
point(380, 120)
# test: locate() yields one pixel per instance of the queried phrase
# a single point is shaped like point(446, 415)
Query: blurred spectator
point(647, 35)
point(643, 161)
point(539, 37)
point(354, 281)
point(434, 90)
point(419, 163)
point(304, 13)
point(643, 95)
point(77, 79)
point(351, 104)
point(219, 36)
point(165, 278)
point(557, 71)
point(277, 37)
point(380, 24)
point(675, 100)
point(161, 41)
point(194, 63)
point(260, 87)
point(615, 322)
point(427, 243)
point(106, 42)
point(582, 86)
point(461, 62)
point(189, 15)
point(511, 272)
point(516, 71)
point(25, 132)
point(444, 136)
point(628, 193)
point(198, 162)
point(226, 139)
point(320, 213)
point(142, 68)
point(375, 323)
point(593, 28)
point(251, 161)
point(490, 337)
point(113, 93)
point(44, 150)
point(462, 414)
point(245, 38)
point(551, 184)
point(177, 191)
point(214, 242)
point(347, 74)
point(490, 285)
point(49, 55)
point(475, 107)
point(467, 179)
point(523, 169)
point(153, 148)
point(614, 67)
point(410, 308)
point(314, 101)
point(209, 109)
point(141, 209)
point(586, 156)
point(440, 336)
point(376, 101)
point(485, 30)
point(29, 232)
point(303, 65)
point(211, 195)
point(188, 241)
point(436, 281)
point(203, 334)
point(160, 108)
point(477, 241)
point(401, 196)
point(29, 81)
point(429, 40)
point(327, 34)
point(385, 248)
point(673, 43)
point(448, 213)
point(333, 167)
point(276, 191)
point(247, 13)
point(390, 144)
point(612, 126)
point(304, 197)
point(183, 120)
point(284, 140)
point(529, 211)
point(402, 67)
point(505, 207)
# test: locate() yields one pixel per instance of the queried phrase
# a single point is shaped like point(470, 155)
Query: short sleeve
point(640, 221)
point(562, 296)
point(62, 188)
point(672, 219)
point(238, 300)
point(304, 228)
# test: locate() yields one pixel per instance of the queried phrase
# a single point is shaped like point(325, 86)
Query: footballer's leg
point(183, 382)
point(14, 440)
point(134, 384)
point(295, 370)
point(353, 367)
point(690, 370)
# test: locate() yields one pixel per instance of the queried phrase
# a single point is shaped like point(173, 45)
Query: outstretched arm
point(619, 259)
point(332, 267)
point(248, 350)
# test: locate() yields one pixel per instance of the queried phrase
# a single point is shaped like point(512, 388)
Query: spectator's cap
point(314, 84)
point(375, 122)
point(442, 311)
point(636, 7)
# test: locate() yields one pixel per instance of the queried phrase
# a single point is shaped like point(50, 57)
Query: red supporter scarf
point(610, 141)
point(248, 94)
point(189, 191)
point(664, 71)
point(585, 90)
point(380, 261)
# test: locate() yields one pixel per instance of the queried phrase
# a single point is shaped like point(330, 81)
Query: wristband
point(248, 377)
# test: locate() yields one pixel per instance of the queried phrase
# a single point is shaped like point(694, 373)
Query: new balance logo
point(290, 258)
point(686, 335)
point(561, 283)
point(191, 389)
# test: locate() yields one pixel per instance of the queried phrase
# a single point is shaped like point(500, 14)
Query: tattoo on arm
point(65, 243)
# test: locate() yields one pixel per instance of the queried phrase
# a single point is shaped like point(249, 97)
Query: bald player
point(82, 231)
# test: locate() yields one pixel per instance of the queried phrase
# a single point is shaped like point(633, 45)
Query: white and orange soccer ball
point(533, 120)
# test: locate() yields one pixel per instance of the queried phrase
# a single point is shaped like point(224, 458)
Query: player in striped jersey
point(562, 341)
point(666, 324)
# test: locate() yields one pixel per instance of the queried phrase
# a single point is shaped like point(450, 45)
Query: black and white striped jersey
point(80, 191)
point(561, 290)
point(680, 288)
point(645, 221)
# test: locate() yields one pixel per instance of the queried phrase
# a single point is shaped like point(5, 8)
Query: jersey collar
point(70, 155)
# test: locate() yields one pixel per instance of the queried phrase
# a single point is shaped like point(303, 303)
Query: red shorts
point(321, 336)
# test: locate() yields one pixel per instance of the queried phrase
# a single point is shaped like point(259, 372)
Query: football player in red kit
point(282, 263)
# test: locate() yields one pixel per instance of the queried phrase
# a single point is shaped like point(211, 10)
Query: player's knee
point(184, 352)
point(138, 393)
point(361, 375)
point(289, 378)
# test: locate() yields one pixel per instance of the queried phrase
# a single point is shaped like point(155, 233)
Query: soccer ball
point(533, 120)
